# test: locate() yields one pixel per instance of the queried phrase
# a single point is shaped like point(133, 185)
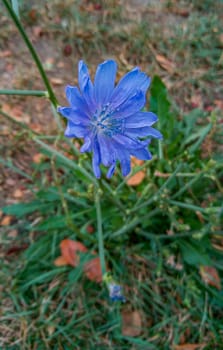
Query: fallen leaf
point(138, 177)
point(18, 193)
point(189, 346)
point(92, 270)
point(57, 81)
point(210, 276)
point(36, 127)
point(69, 251)
point(6, 53)
point(131, 323)
point(6, 220)
point(60, 261)
point(165, 63)
point(37, 158)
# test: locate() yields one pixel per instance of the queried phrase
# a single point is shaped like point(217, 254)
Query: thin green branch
point(100, 232)
point(37, 93)
point(33, 52)
point(156, 195)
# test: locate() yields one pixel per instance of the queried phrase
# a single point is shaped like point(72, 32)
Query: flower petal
point(132, 81)
point(123, 155)
point(76, 117)
point(104, 81)
point(74, 130)
point(127, 142)
point(111, 170)
point(141, 119)
point(96, 160)
point(106, 153)
point(143, 132)
point(142, 154)
point(76, 100)
point(87, 146)
point(130, 106)
point(86, 86)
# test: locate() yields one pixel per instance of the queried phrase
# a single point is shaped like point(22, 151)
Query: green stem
point(32, 51)
point(37, 93)
point(156, 196)
point(100, 232)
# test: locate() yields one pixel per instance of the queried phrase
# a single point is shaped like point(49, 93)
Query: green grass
point(158, 234)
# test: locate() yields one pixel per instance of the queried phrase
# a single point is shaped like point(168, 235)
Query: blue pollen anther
point(102, 122)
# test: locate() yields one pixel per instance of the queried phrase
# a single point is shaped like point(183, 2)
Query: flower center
point(103, 121)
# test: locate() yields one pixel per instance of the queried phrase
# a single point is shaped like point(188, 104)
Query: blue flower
point(109, 117)
point(115, 292)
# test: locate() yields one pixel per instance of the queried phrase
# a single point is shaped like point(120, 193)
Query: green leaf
point(194, 254)
point(52, 223)
point(22, 209)
point(160, 104)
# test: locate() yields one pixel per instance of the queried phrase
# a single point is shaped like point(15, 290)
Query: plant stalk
point(100, 232)
point(33, 52)
point(37, 93)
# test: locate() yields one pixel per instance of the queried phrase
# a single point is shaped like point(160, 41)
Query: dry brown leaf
point(6, 53)
point(189, 346)
point(70, 249)
point(138, 177)
point(60, 261)
point(165, 63)
point(210, 276)
point(92, 270)
point(57, 81)
point(37, 158)
point(6, 220)
point(131, 323)
point(18, 193)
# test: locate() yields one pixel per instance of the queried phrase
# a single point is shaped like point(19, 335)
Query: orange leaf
point(137, 178)
point(165, 63)
point(6, 220)
point(131, 323)
point(93, 271)
point(69, 251)
point(60, 261)
point(210, 276)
